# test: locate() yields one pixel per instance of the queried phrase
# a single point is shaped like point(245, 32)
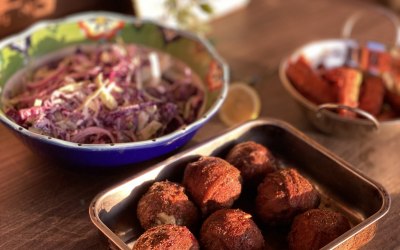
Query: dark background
point(15, 15)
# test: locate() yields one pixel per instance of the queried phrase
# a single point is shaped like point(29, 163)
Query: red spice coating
point(167, 237)
point(166, 203)
point(253, 160)
point(212, 183)
point(316, 228)
point(284, 194)
point(308, 83)
point(372, 95)
point(348, 84)
point(230, 229)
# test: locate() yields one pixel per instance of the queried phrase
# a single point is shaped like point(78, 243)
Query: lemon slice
point(241, 104)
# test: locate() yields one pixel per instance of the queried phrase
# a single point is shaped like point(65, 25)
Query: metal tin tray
point(341, 187)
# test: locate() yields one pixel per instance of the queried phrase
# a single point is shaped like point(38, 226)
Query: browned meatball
point(253, 160)
point(167, 237)
point(316, 228)
point(166, 203)
point(284, 194)
point(213, 183)
point(230, 229)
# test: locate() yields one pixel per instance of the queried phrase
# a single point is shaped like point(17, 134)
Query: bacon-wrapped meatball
point(230, 229)
point(166, 203)
point(253, 160)
point(167, 237)
point(213, 183)
point(284, 194)
point(316, 228)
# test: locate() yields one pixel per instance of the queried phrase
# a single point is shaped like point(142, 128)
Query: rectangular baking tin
point(342, 187)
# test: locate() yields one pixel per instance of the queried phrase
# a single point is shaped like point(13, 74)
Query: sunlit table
point(44, 206)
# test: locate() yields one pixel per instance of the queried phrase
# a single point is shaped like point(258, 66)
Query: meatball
point(213, 183)
point(284, 194)
point(316, 228)
point(230, 229)
point(253, 160)
point(168, 237)
point(166, 203)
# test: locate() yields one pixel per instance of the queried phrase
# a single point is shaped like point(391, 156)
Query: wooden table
point(44, 206)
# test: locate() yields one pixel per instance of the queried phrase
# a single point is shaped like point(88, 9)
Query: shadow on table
point(49, 202)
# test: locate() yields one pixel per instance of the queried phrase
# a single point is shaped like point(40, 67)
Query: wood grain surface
point(45, 206)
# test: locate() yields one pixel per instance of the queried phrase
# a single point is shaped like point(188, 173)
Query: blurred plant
point(184, 12)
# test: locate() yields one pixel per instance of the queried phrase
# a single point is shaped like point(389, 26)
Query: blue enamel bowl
point(48, 37)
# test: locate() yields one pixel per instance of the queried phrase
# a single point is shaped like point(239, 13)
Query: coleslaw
point(112, 93)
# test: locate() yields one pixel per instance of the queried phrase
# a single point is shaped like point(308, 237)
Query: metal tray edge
point(263, 121)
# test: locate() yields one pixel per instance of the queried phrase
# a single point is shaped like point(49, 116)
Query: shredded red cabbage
point(110, 94)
